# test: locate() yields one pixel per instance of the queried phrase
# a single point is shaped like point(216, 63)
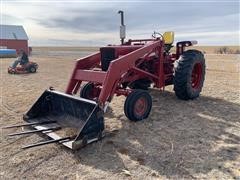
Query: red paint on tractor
point(140, 107)
point(131, 62)
point(196, 75)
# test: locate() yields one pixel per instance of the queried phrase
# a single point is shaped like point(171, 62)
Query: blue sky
point(94, 23)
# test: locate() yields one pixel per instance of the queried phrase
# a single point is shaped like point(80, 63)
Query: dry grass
point(219, 49)
point(226, 50)
point(214, 49)
point(181, 139)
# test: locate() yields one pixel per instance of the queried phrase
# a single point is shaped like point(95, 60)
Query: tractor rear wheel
point(138, 105)
point(87, 91)
point(32, 69)
point(189, 75)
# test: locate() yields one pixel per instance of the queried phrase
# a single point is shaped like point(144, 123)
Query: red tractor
point(128, 69)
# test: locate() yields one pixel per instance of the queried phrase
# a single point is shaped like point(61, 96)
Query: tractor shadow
point(180, 139)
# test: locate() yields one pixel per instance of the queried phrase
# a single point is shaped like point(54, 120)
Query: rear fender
point(180, 46)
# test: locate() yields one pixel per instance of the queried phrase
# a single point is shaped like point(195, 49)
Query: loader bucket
point(66, 119)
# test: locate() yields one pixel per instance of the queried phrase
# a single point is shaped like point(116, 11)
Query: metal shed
point(13, 37)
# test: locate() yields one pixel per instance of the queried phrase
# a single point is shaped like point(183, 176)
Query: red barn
point(13, 37)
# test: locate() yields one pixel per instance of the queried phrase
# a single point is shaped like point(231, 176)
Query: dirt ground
point(197, 139)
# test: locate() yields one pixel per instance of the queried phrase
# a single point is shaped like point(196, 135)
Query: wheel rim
point(196, 76)
point(140, 106)
point(32, 69)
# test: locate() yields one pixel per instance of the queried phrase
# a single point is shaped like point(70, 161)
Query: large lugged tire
point(138, 105)
point(189, 75)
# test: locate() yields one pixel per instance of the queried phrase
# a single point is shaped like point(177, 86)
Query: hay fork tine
point(28, 124)
point(34, 131)
point(61, 140)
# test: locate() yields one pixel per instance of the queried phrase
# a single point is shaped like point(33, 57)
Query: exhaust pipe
point(122, 27)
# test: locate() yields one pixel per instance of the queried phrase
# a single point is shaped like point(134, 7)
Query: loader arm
point(119, 67)
point(88, 62)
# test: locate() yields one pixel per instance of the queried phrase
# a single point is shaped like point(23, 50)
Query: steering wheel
point(157, 35)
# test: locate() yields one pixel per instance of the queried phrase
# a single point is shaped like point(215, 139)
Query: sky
point(96, 23)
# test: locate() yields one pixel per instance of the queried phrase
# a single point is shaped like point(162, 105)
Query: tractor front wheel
point(189, 75)
point(138, 105)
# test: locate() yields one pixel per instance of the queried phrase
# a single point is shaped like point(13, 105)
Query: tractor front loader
point(128, 69)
